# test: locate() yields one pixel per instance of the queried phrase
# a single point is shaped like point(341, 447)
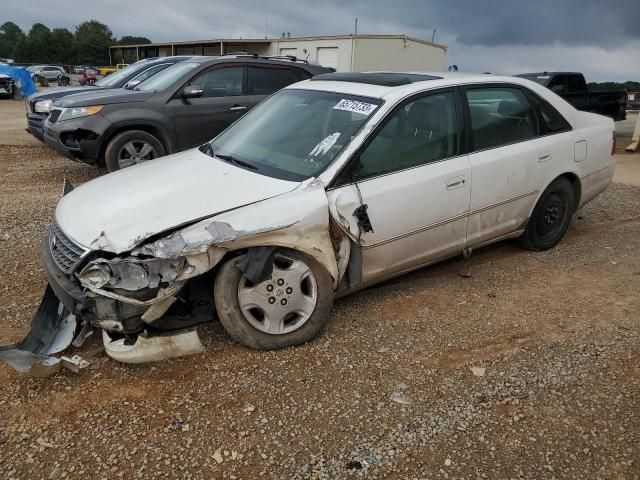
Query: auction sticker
point(355, 106)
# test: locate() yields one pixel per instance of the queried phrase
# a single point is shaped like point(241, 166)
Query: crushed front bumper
point(35, 125)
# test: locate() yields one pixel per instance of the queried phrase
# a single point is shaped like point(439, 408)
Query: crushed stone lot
point(511, 364)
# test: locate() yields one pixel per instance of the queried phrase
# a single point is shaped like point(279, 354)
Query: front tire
point(130, 148)
point(551, 217)
point(287, 309)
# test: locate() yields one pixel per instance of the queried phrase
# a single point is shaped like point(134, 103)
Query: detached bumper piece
point(153, 349)
point(53, 328)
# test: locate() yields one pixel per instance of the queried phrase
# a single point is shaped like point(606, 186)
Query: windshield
point(167, 77)
point(541, 79)
point(119, 77)
point(295, 134)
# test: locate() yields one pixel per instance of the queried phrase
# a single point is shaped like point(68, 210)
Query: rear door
point(416, 183)
point(510, 160)
point(223, 101)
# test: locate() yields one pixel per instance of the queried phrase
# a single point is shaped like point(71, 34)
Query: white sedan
point(331, 185)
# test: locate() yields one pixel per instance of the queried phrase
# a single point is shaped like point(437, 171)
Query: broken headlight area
point(130, 274)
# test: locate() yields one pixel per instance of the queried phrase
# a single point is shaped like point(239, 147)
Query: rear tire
point(299, 308)
point(130, 148)
point(551, 217)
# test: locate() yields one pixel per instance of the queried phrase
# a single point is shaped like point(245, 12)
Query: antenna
point(433, 37)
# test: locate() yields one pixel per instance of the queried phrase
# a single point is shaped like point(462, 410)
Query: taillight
point(613, 145)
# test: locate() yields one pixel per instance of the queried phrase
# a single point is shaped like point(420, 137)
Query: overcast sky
point(600, 38)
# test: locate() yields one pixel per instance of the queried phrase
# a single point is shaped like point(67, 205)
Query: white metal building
point(345, 53)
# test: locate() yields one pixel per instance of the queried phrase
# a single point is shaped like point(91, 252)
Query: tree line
point(88, 45)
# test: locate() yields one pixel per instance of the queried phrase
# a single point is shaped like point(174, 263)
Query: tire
point(139, 146)
point(244, 327)
point(551, 217)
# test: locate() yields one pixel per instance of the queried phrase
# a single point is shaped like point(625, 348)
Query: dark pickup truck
point(573, 88)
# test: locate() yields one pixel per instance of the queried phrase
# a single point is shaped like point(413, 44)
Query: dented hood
point(118, 211)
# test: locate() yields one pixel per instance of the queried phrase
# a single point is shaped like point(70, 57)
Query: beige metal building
point(345, 53)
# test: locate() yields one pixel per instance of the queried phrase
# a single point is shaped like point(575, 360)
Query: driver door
point(223, 101)
point(416, 185)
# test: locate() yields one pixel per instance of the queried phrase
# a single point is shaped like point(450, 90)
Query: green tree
point(91, 43)
point(11, 35)
point(62, 46)
point(129, 40)
point(37, 47)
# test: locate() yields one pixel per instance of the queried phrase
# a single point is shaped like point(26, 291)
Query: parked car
point(39, 104)
point(48, 72)
point(329, 186)
point(7, 86)
point(181, 107)
point(104, 71)
point(573, 88)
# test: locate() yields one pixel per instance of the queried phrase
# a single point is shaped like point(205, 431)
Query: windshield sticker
point(325, 145)
point(355, 106)
point(544, 77)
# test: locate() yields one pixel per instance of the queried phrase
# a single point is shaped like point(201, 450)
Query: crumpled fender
point(53, 329)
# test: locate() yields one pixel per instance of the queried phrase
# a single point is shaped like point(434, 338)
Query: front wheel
point(287, 309)
point(130, 148)
point(551, 217)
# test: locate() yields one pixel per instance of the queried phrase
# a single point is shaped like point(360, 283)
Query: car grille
point(65, 252)
point(54, 115)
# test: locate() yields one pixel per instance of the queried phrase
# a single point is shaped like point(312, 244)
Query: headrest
point(425, 117)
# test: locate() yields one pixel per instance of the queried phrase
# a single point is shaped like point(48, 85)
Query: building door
point(328, 57)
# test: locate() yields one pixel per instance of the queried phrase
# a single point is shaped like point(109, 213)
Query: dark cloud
point(493, 35)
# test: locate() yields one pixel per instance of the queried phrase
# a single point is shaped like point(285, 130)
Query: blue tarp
point(22, 79)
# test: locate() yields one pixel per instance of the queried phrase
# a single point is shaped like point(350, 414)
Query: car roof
point(547, 73)
point(424, 81)
point(256, 59)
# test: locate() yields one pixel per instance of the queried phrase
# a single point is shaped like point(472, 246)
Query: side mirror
point(132, 84)
point(192, 91)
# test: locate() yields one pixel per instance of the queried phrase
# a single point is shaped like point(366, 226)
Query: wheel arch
point(151, 128)
point(575, 183)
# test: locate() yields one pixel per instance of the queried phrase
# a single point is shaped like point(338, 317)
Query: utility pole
point(356, 29)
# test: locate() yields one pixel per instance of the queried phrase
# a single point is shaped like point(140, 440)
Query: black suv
point(39, 104)
point(181, 107)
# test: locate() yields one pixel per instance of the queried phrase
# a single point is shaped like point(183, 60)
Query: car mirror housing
point(192, 91)
point(132, 84)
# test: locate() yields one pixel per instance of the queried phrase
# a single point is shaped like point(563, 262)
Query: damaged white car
point(329, 186)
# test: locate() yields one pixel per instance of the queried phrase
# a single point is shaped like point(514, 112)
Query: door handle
point(455, 182)
point(544, 156)
point(237, 108)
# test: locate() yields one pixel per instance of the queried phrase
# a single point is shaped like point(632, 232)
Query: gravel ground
point(511, 364)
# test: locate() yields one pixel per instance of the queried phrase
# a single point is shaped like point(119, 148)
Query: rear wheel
point(130, 148)
point(551, 217)
point(287, 309)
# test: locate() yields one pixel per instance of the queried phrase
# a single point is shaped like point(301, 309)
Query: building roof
point(217, 41)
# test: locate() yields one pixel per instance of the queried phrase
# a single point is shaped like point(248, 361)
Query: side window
point(552, 120)
point(575, 85)
point(221, 82)
point(557, 84)
point(149, 72)
point(265, 81)
point(500, 116)
point(422, 131)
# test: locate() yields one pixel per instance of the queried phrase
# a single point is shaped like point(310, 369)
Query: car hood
point(118, 211)
point(59, 92)
point(100, 96)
